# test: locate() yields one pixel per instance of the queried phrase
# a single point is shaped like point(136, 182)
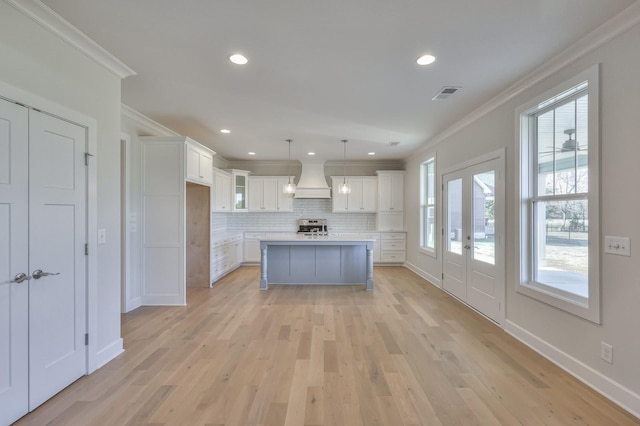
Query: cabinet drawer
point(220, 252)
point(393, 235)
point(392, 256)
point(393, 245)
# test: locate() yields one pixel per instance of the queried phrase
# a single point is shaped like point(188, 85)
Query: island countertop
point(309, 260)
point(315, 239)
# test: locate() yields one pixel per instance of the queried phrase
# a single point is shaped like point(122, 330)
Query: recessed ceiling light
point(225, 131)
point(251, 153)
point(371, 153)
point(311, 153)
point(238, 59)
point(426, 59)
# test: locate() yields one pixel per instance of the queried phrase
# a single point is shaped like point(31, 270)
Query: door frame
point(500, 225)
point(31, 100)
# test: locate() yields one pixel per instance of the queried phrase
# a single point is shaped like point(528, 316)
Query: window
point(559, 238)
point(428, 205)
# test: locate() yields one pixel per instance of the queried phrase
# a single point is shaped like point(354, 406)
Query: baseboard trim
point(612, 390)
point(110, 352)
point(432, 279)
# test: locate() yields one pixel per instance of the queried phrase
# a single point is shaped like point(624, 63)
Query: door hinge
point(86, 249)
point(443, 275)
point(86, 339)
point(86, 158)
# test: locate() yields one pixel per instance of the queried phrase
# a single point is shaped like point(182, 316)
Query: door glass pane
point(454, 216)
point(484, 248)
point(561, 245)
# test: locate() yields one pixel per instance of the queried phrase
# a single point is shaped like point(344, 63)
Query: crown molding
point(609, 30)
point(61, 28)
point(146, 124)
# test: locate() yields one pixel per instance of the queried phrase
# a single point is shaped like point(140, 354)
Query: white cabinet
point(390, 191)
point(265, 194)
point(390, 200)
point(221, 191)
point(164, 219)
point(199, 160)
point(363, 196)
point(226, 255)
point(240, 189)
point(252, 246)
point(393, 247)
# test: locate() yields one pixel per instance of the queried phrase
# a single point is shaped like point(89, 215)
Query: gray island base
point(316, 260)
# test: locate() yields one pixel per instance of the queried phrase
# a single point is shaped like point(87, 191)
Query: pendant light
point(345, 187)
point(290, 187)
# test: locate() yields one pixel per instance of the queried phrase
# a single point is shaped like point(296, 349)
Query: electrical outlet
point(606, 352)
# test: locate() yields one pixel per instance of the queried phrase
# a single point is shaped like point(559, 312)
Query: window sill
point(565, 301)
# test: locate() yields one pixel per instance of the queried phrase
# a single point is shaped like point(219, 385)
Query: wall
point(302, 209)
point(568, 340)
point(37, 63)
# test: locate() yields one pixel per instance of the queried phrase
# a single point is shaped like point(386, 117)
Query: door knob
point(20, 277)
point(38, 273)
point(467, 247)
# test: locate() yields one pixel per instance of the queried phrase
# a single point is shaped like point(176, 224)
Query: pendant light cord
point(344, 162)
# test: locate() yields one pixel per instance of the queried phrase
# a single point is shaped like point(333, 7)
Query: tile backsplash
point(302, 209)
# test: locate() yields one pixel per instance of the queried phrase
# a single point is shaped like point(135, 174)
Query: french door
point(473, 243)
point(42, 257)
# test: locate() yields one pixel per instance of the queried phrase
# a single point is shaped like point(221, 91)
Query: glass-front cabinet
point(240, 182)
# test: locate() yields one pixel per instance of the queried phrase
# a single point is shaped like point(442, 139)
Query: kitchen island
point(316, 260)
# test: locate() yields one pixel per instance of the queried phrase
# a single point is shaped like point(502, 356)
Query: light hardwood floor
point(404, 354)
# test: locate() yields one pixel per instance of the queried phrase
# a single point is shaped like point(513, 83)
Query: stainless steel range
point(312, 227)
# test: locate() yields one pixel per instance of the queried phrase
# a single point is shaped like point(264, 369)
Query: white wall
point(35, 62)
point(567, 339)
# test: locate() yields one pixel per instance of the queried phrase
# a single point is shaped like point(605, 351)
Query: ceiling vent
point(445, 92)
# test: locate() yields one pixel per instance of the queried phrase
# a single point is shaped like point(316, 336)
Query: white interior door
point(57, 237)
point(473, 244)
point(14, 252)
point(42, 236)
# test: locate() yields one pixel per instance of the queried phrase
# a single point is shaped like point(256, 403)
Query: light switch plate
point(102, 236)
point(617, 245)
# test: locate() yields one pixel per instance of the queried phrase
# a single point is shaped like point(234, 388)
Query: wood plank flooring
point(404, 354)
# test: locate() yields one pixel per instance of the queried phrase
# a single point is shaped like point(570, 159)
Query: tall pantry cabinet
point(177, 175)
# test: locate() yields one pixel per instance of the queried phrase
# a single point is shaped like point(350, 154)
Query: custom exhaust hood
point(312, 183)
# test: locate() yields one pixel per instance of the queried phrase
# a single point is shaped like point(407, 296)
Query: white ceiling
point(322, 71)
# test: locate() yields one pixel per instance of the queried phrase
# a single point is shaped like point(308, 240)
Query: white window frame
point(425, 205)
point(587, 308)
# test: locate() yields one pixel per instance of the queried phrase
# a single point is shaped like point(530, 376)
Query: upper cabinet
point(265, 194)
point(239, 190)
point(221, 191)
point(390, 191)
point(199, 160)
point(390, 200)
point(363, 196)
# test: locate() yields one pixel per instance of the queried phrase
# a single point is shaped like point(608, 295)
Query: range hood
point(312, 183)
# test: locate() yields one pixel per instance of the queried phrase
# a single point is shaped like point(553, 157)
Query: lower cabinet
point(226, 255)
point(393, 247)
point(252, 246)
